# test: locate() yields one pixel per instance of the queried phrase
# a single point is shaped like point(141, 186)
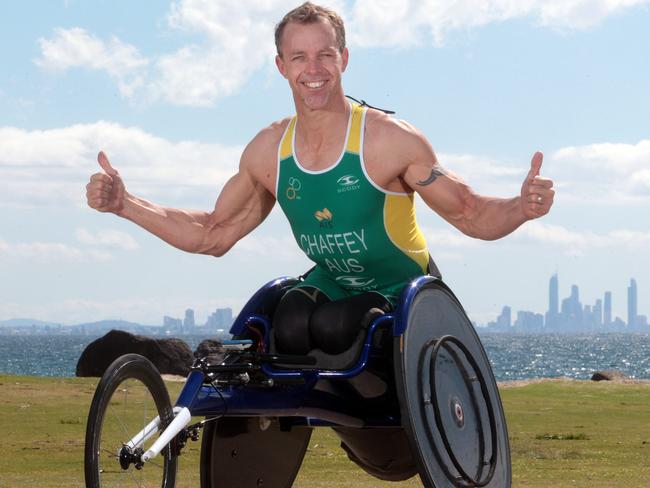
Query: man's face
point(311, 62)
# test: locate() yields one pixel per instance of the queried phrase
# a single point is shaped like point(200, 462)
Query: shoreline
point(567, 379)
point(504, 384)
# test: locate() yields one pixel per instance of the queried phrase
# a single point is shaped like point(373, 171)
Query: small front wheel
point(129, 396)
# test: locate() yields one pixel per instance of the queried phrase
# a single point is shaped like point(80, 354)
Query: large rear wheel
point(449, 399)
point(129, 396)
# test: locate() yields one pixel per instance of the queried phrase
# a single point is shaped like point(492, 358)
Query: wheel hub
point(457, 412)
point(128, 457)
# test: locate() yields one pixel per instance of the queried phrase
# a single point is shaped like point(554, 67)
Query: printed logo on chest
point(294, 187)
point(347, 183)
point(324, 217)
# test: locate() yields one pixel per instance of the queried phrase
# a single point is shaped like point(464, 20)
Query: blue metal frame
point(406, 299)
point(265, 297)
point(301, 401)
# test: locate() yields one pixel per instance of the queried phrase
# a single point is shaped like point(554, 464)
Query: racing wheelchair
point(420, 368)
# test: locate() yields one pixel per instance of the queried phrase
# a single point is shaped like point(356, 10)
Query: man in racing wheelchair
point(345, 175)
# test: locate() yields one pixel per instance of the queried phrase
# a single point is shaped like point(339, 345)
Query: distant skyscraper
point(505, 319)
point(572, 310)
point(631, 304)
point(221, 318)
point(529, 321)
point(171, 323)
point(552, 318)
point(553, 297)
point(188, 323)
point(608, 308)
point(598, 313)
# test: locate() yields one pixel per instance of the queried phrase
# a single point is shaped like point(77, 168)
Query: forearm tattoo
point(436, 171)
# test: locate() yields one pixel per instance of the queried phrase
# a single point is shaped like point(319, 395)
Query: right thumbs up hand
point(105, 191)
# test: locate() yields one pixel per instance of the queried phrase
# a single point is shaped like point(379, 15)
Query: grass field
point(562, 433)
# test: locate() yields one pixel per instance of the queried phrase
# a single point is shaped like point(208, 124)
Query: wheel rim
point(471, 429)
point(453, 410)
point(129, 409)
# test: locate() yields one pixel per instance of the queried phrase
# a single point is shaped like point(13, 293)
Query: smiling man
point(345, 175)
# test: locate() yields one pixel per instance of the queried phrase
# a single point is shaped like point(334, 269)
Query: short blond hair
point(309, 13)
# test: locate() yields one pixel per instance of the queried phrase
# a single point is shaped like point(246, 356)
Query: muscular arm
point(475, 215)
point(479, 216)
point(243, 204)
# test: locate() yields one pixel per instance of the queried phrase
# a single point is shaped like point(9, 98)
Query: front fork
point(182, 417)
point(131, 451)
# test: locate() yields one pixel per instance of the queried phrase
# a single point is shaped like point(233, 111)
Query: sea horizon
point(513, 356)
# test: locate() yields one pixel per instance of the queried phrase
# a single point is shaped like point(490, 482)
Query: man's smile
point(313, 84)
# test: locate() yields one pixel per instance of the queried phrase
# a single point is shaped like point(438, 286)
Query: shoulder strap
point(286, 144)
point(356, 129)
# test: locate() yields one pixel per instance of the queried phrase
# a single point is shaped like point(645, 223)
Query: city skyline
point(568, 315)
point(572, 315)
point(217, 325)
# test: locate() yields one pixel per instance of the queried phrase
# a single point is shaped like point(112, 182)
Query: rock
point(169, 355)
point(210, 349)
point(609, 375)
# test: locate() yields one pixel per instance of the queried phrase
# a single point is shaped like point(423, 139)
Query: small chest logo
point(347, 183)
point(355, 281)
point(324, 217)
point(293, 189)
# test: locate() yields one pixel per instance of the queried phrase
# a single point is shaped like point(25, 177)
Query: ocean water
point(49, 355)
point(518, 357)
point(513, 357)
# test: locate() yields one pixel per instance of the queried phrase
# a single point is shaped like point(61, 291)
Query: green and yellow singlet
point(361, 237)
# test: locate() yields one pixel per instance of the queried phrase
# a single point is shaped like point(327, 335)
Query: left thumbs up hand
point(536, 192)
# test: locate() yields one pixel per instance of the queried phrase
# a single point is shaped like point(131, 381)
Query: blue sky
point(173, 91)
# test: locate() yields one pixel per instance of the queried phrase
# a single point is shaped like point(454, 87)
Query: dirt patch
point(173, 377)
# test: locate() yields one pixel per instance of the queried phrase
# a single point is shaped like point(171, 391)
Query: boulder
point(169, 355)
point(210, 349)
point(609, 375)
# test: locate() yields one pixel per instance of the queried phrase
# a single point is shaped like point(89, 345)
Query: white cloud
point(576, 241)
point(53, 166)
point(605, 173)
point(581, 14)
point(572, 242)
point(405, 23)
point(73, 48)
point(235, 39)
point(600, 173)
point(236, 42)
point(107, 238)
point(49, 252)
point(487, 175)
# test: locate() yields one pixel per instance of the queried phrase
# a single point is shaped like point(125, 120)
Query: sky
point(173, 91)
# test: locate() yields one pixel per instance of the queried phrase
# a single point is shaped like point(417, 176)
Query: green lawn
point(566, 433)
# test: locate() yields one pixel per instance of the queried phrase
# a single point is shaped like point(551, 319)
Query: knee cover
point(291, 320)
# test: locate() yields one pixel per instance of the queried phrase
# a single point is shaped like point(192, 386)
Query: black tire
point(449, 401)
point(129, 395)
point(251, 452)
